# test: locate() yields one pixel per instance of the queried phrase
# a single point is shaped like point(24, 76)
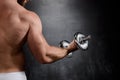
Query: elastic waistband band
point(13, 76)
point(13, 73)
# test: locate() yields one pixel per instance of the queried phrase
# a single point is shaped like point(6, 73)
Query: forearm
point(55, 53)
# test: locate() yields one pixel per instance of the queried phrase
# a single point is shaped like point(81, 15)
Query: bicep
point(36, 40)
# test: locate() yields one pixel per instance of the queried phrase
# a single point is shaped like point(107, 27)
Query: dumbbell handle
point(85, 38)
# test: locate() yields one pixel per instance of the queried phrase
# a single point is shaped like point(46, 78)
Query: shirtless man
point(17, 26)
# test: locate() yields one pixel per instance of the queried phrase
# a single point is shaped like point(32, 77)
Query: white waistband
point(13, 76)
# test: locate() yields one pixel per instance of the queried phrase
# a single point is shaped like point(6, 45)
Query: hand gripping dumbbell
point(65, 44)
point(81, 40)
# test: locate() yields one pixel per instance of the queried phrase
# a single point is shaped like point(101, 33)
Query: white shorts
point(13, 76)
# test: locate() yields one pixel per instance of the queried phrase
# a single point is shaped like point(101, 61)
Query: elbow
point(46, 60)
point(43, 61)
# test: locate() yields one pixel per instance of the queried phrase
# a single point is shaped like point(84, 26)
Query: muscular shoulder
point(32, 18)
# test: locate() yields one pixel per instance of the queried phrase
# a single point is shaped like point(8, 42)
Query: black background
point(60, 20)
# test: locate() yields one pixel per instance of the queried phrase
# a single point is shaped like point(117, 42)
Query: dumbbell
point(81, 40)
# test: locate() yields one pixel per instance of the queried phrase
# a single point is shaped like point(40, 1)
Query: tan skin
point(17, 26)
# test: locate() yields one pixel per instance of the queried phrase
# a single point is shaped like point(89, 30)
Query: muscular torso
point(13, 31)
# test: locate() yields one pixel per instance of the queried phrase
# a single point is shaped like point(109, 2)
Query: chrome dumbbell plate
point(81, 40)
